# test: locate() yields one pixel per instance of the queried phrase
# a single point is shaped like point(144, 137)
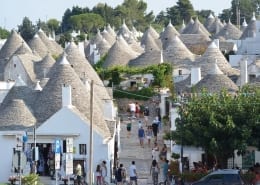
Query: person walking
point(149, 135)
point(132, 109)
point(155, 152)
point(103, 171)
point(155, 129)
point(133, 173)
point(79, 174)
point(165, 168)
point(120, 175)
point(146, 115)
point(154, 171)
point(141, 136)
point(98, 175)
point(129, 127)
point(163, 153)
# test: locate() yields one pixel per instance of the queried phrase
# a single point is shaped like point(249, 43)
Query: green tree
point(246, 9)
point(185, 9)
point(162, 19)
point(4, 33)
point(65, 24)
point(220, 123)
point(182, 11)
point(88, 22)
point(174, 15)
point(225, 15)
point(53, 25)
point(27, 29)
point(105, 11)
point(43, 26)
point(203, 15)
point(134, 13)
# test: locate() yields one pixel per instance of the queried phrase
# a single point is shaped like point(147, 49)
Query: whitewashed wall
point(14, 68)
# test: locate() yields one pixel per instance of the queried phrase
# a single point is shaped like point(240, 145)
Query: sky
point(12, 12)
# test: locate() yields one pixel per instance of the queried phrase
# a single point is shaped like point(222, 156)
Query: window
point(82, 149)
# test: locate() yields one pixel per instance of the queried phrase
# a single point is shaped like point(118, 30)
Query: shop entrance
point(45, 164)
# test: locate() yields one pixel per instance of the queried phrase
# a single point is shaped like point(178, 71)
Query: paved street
point(131, 150)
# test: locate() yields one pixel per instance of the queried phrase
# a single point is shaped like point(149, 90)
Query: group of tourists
point(120, 174)
point(101, 173)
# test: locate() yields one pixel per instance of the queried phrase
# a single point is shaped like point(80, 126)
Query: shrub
point(143, 94)
point(175, 156)
point(31, 179)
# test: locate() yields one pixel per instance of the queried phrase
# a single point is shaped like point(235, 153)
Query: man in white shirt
point(133, 173)
point(132, 109)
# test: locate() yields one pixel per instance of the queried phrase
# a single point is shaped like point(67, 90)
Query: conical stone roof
point(150, 43)
point(111, 31)
point(13, 42)
point(151, 32)
point(196, 28)
point(216, 26)
point(43, 67)
point(214, 55)
point(98, 38)
point(124, 31)
point(37, 45)
point(215, 81)
point(149, 57)
point(168, 34)
point(119, 54)
point(103, 46)
point(84, 70)
point(209, 21)
point(21, 91)
point(136, 46)
point(229, 31)
point(53, 47)
point(110, 38)
point(23, 49)
point(176, 51)
point(188, 26)
point(49, 100)
point(250, 30)
point(16, 116)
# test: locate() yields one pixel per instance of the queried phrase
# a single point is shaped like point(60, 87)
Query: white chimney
point(96, 56)
point(216, 42)
point(66, 95)
point(161, 60)
point(195, 75)
point(38, 86)
point(243, 72)
point(92, 47)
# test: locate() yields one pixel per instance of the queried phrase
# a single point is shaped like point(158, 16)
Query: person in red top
point(137, 109)
point(256, 180)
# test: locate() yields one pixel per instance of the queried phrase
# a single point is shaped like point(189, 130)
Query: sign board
point(57, 161)
point(57, 146)
point(69, 164)
point(69, 144)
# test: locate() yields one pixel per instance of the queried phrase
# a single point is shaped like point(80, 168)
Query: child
point(98, 175)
